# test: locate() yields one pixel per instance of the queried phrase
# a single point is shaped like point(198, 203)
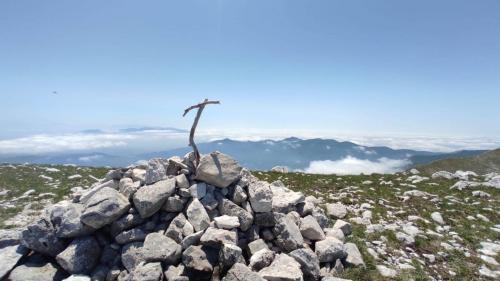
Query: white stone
point(10, 255)
point(283, 267)
point(386, 272)
point(77, 277)
point(483, 218)
point(336, 210)
point(310, 229)
point(260, 196)
point(227, 222)
point(436, 216)
point(480, 194)
point(197, 215)
point(489, 260)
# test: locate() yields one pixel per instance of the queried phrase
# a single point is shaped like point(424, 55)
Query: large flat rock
point(81, 255)
point(40, 236)
point(105, 206)
point(37, 269)
point(150, 198)
point(283, 267)
point(218, 169)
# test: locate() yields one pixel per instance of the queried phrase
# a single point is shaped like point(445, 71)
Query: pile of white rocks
point(171, 221)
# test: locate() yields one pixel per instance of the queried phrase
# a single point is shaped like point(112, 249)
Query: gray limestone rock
point(260, 196)
point(215, 237)
point(288, 236)
point(150, 198)
point(229, 208)
point(81, 255)
point(197, 215)
point(132, 255)
point(310, 229)
point(240, 272)
point(40, 236)
point(147, 272)
point(196, 260)
point(158, 247)
point(10, 256)
point(330, 249)
point(37, 269)
point(155, 171)
point(229, 254)
point(260, 259)
point(309, 263)
point(283, 267)
point(218, 169)
point(354, 257)
point(104, 207)
point(65, 217)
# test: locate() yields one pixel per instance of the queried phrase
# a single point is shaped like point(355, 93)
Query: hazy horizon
point(147, 139)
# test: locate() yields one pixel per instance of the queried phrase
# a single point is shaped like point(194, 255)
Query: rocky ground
point(413, 227)
point(26, 189)
point(407, 226)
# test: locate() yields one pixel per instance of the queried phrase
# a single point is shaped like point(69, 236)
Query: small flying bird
point(54, 92)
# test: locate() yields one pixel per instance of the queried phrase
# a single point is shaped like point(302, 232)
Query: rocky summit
point(169, 220)
point(160, 220)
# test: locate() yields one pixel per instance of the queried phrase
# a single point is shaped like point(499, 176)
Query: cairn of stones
point(169, 220)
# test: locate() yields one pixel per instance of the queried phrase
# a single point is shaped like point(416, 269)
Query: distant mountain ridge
point(136, 130)
point(295, 153)
point(143, 129)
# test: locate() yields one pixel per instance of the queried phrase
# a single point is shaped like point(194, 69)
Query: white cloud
point(354, 166)
point(427, 143)
point(55, 143)
point(366, 151)
point(90, 158)
point(139, 140)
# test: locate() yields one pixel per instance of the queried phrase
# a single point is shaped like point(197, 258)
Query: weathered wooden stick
point(200, 107)
point(201, 104)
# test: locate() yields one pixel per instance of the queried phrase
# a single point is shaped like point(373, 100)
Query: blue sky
point(418, 68)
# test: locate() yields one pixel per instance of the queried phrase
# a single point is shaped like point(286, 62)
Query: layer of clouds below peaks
point(149, 140)
point(154, 140)
point(354, 166)
point(39, 144)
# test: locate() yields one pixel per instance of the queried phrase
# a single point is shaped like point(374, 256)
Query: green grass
point(482, 164)
point(20, 178)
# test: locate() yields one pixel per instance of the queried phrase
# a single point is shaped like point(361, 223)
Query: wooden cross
point(200, 107)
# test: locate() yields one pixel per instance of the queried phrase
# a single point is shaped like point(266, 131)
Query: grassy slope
point(484, 163)
point(454, 206)
point(21, 178)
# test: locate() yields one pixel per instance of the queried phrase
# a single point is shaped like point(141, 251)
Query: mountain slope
point(297, 153)
point(425, 159)
point(486, 162)
point(292, 152)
